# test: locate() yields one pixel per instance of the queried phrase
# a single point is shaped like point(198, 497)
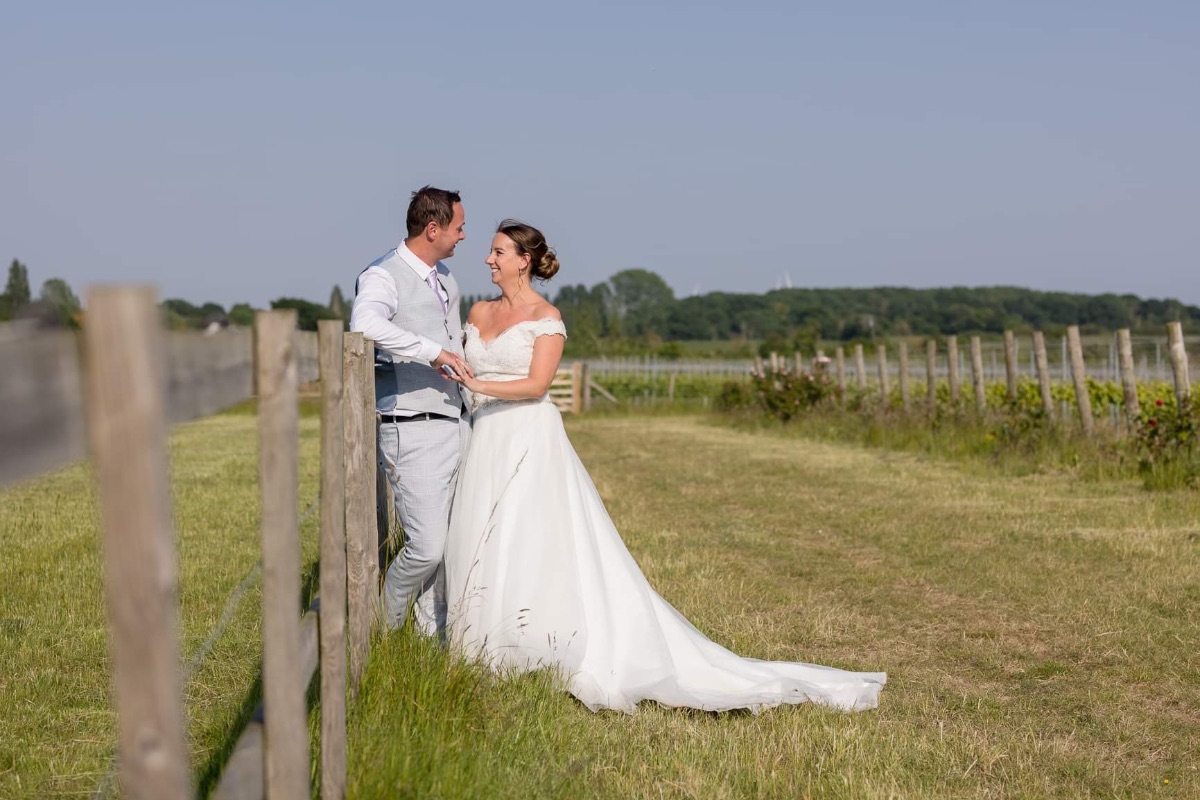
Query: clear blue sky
point(242, 152)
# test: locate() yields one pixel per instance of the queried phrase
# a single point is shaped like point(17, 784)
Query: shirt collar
point(414, 262)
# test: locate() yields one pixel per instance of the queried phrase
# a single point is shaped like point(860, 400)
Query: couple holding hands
point(508, 550)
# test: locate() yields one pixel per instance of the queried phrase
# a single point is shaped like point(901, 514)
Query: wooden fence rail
point(121, 390)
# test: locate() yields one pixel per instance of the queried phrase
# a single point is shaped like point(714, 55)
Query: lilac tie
point(432, 280)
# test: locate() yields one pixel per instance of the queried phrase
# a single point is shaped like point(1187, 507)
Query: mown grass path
point(1039, 634)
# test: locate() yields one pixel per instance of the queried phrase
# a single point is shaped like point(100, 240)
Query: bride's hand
point(466, 378)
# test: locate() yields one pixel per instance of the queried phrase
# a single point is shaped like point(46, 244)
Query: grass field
point(57, 729)
point(1039, 631)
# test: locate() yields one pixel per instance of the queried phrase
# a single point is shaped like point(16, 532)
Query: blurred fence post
point(952, 362)
point(904, 398)
point(127, 428)
point(884, 388)
point(1179, 363)
point(1083, 399)
point(1043, 373)
point(839, 363)
point(285, 717)
point(860, 368)
point(931, 374)
point(977, 375)
point(1128, 379)
point(1010, 364)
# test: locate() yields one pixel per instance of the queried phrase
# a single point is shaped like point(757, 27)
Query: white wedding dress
point(537, 575)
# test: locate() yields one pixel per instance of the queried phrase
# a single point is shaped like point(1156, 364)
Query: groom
point(406, 301)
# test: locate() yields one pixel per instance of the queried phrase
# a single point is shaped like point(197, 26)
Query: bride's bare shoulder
point(545, 310)
point(481, 312)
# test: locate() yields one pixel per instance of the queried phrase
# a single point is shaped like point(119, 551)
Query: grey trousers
point(421, 460)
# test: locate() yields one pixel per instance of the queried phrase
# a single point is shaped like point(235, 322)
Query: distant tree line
point(636, 311)
point(180, 314)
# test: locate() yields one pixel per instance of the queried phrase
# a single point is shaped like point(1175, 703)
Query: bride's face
point(505, 261)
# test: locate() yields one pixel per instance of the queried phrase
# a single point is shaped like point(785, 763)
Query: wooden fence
point(1150, 360)
point(118, 388)
point(1077, 373)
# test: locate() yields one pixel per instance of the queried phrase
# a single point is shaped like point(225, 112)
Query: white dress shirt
point(375, 304)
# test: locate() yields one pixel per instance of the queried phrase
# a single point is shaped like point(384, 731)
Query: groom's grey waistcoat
point(404, 387)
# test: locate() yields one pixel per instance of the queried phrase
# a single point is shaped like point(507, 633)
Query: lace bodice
point(508, 356)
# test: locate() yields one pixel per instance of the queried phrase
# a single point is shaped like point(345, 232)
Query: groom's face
point(448, 238)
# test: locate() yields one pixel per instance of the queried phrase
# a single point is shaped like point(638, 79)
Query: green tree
point(241, 314)
point(16, 291)
point(337, 304)
point(59, 297)
point(642, 301)
point(310, 313)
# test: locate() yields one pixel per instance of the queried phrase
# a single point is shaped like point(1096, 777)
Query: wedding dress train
point(537, 575)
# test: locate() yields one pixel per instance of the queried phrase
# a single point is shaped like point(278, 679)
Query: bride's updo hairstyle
point(543, 263)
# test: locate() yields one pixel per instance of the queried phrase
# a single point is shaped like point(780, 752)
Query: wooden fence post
point(1179, 363)
point(952, 363)
point(860, 367)
point(977, 375)
point(931, 374)
point(1128, 378)
point(585, 381)
point(884, 388)
point(126, 423)
point(904, 398)
point(1043, 373)
point(332, 618)
point(358, 619)
point(285, 725)
point(1010, 364)
point(839, 363)
point(374, 536)
point(577, 387)
point(1083, 399)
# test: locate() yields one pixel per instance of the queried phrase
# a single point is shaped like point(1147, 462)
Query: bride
point(537, 575)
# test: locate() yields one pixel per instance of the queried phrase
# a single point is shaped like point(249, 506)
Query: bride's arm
point(547, 353)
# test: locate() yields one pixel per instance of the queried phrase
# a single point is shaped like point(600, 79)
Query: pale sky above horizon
point(243, 152)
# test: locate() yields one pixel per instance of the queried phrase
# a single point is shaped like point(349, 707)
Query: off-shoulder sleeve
point(547, 327)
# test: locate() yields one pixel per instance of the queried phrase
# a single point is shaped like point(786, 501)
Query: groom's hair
point(430, 205)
